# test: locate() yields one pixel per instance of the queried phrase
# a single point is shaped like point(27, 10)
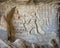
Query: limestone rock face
point(33, 23)
point(20, 43)
point(3, 35)
point(3, 44)
point(37, 23)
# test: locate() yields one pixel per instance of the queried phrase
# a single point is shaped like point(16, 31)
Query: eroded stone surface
point(3, 35)
point(3, 44)
point(34, 23)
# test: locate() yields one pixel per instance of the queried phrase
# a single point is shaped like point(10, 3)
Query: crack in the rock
point(31, 30)
point(29, 21)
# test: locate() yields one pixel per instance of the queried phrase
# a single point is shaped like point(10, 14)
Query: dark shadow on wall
point(58, 14)
point(10, 27)
point(3, 0)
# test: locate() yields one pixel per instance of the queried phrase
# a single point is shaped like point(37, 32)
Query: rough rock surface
point(3, 44)
point(33, 23)
point(3, 35)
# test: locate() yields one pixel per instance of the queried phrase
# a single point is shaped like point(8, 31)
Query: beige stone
point(36, 22)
